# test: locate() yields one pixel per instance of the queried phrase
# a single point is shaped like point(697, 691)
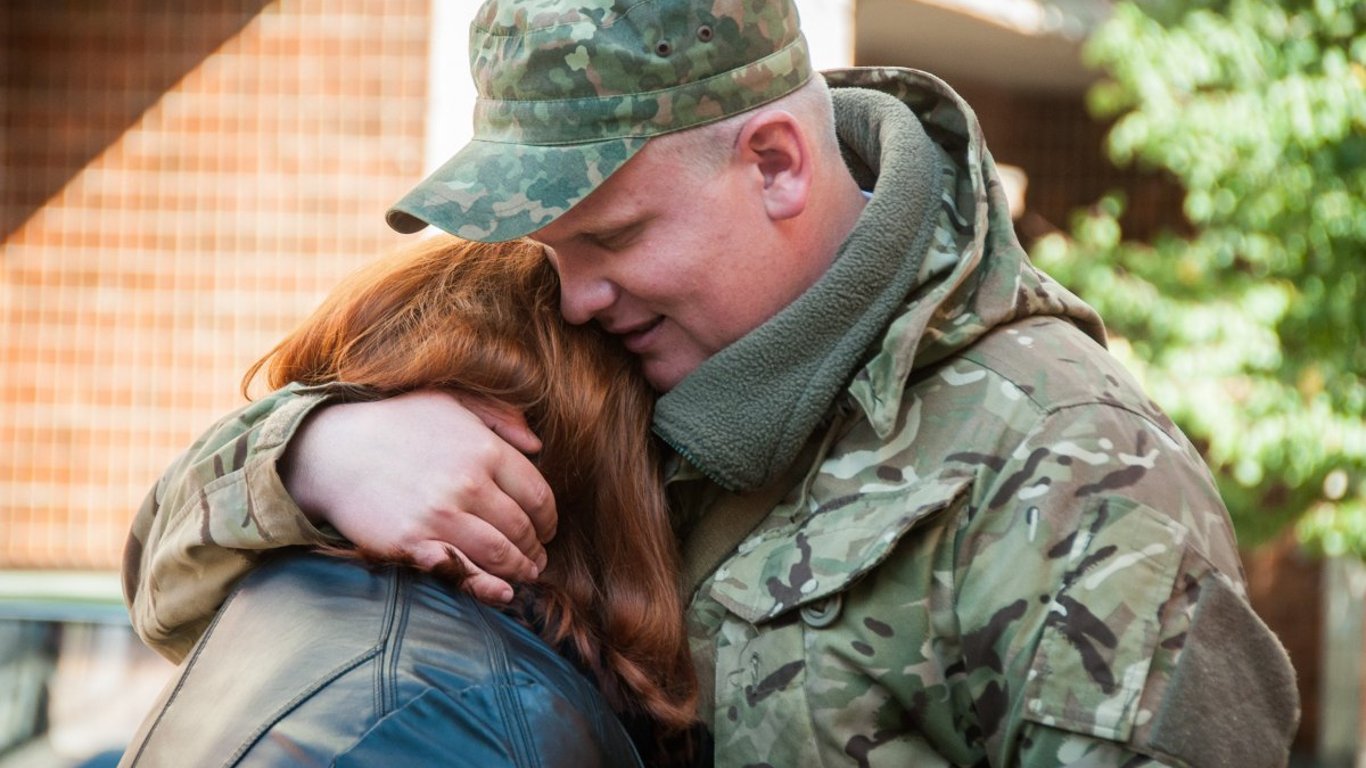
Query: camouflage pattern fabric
point(1004, 555)
point(197, 532)
point(569, 91)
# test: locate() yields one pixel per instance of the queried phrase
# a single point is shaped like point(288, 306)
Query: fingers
point(516, 476)
point(535, 518)
point(485, 587)
point(505, 421)
point(494, 533)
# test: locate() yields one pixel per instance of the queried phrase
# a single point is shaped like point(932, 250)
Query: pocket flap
point(781, 569)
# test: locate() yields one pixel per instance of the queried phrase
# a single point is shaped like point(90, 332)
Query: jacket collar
point(931, 266)
point(742, 417)
point(985, 278)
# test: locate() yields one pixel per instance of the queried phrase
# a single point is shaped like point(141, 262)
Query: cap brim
point(491, 192)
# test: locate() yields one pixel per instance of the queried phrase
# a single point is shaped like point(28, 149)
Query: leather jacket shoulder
point(316, 660)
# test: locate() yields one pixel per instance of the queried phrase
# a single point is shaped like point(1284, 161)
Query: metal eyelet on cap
point(704, 33)
point(822, 613)
point(663, 48)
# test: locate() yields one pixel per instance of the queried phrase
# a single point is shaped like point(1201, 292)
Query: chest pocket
point(795, 566)
point(782, 586)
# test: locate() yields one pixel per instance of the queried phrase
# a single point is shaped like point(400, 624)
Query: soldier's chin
point(664, 374)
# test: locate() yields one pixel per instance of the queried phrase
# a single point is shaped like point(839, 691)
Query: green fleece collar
point(744, 414)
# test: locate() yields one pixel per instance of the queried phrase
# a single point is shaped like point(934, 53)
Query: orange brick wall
point(179, 184)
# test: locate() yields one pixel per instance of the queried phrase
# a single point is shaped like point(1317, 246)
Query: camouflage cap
point(569, 90)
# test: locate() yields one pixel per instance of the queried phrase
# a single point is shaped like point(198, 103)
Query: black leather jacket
point(316, 660)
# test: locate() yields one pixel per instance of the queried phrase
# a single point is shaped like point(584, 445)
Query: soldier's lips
point(638, 339)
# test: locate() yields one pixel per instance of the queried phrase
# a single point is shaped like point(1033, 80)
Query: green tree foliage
point(1250, 327)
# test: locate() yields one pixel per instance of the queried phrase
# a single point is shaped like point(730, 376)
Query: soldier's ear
point(776, 147)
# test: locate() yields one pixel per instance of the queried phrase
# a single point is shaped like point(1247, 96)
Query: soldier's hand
point(431, 477)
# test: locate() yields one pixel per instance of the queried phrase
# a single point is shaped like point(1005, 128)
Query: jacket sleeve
point(1104, 587)
point(198, 530)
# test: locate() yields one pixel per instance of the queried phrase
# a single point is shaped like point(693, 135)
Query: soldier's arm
point(1104, 586)
point(219, 503)
point(425, 476)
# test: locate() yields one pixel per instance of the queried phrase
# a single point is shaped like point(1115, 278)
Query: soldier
point(926, 518)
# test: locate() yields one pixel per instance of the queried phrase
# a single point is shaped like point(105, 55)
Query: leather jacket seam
point(517, 731)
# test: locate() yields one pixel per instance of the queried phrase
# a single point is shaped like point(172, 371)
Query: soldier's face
point(676, 262)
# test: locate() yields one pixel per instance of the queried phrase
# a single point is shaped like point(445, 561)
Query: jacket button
point(824, 612)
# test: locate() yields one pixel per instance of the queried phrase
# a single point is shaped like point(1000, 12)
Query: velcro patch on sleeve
point(1104, 623)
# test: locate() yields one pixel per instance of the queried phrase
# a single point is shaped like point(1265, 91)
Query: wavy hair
point(483, 319)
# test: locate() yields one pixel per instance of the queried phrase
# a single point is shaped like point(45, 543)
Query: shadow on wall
point(113, 60)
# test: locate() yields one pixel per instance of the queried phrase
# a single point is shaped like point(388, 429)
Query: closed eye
point(615, 238)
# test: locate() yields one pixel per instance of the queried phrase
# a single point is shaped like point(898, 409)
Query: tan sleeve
point(212, 512)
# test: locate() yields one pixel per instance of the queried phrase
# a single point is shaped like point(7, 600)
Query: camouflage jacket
point(1002, 553)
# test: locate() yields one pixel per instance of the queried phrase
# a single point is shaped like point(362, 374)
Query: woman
point(480, 320)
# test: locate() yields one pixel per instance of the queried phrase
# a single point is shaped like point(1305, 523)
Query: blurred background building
point(181, 182)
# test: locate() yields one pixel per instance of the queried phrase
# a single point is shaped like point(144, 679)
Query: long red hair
point(483, 319)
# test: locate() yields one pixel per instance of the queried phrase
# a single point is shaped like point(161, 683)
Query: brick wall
point(180, 182)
